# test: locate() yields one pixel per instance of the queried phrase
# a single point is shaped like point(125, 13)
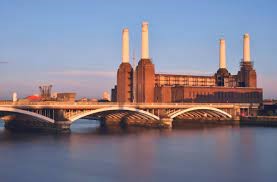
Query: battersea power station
point(142, 84)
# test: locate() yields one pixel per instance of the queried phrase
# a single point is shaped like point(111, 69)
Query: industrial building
point(66, 97)
point(142, 84)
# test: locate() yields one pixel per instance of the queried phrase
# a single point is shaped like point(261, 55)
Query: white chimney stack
point(144, 41)
point(125, 46)
point(222, 54)
point(14, 97)
point(246, 48)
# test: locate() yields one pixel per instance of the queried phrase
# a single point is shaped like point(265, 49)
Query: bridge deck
point(95, 105)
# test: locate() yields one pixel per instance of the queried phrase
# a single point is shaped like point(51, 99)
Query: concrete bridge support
point(166, 122)
point(130, 120)
point(26, 123)
point(236, 114)
point(62, 125)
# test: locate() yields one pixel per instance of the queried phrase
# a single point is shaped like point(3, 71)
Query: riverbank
point(267, 121)
point(270, 121)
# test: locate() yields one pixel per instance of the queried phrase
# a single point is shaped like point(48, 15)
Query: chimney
point(125, 46)
point(222, 54)
point(144, 41)
point(246, 48)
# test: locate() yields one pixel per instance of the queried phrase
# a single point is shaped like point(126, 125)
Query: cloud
point(113, 73)
point(83, 73)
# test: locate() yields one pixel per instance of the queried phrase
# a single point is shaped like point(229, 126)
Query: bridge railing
point(58, 103)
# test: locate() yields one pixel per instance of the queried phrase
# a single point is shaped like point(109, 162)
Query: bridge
point(60, 115)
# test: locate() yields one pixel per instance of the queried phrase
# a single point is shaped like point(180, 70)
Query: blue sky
point(76, 44)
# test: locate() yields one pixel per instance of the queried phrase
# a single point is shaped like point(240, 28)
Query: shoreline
point(259, 121)
point(269, 121)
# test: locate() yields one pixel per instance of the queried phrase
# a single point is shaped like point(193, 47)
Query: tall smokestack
point(222, 54)
point(125, 46)
point(246, 48)
point(144, 41)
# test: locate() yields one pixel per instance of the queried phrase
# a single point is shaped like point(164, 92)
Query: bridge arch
point(27, 113)
point(200, 108)
point(87, 113)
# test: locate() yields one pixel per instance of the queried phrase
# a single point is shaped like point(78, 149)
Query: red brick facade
point(247, 75)
point(124, 83)
point(219, 88)
point(145, 80)
point(208, 94)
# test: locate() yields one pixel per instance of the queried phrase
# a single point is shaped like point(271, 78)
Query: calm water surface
point(90, 154)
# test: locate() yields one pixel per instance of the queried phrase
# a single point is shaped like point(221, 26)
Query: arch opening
point(8, 110)
point(199, 112)
point(116, 112)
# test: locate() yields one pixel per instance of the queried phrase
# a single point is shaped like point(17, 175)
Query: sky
point(75, 45)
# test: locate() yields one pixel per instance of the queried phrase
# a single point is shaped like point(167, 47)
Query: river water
point(88, 153)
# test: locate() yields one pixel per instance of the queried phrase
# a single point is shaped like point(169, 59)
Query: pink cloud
point(84, 73)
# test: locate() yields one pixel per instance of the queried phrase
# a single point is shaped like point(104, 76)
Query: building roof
point(34, 98)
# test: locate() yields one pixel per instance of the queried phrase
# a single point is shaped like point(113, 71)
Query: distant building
point(94, 100)
point(33, 98)
point(114, 94)
point(222, 87)
point(269, 108)
point(54, 95)
point(106, 96)
point(45, 92)
point(84, 99)
point(66, 97)
point(14, 97)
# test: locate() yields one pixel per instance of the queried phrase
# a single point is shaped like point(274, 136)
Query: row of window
point(224, 95)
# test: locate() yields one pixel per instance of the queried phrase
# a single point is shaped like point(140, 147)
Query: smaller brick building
point(66, 97)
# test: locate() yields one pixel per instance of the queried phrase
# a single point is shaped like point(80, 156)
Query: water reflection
point(217, 153)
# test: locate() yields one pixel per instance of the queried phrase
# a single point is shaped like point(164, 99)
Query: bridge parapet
point(47, 103)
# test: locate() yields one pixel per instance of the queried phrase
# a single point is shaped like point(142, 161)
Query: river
point(88, 153)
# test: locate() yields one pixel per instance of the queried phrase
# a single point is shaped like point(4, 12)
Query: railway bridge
point(60, 115)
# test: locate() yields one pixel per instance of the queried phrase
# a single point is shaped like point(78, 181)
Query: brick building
point(142, 84)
